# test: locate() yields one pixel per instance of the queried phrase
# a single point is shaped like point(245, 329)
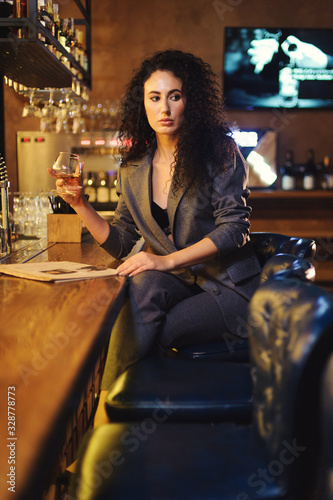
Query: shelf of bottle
point(277, 194)
point(29, 61)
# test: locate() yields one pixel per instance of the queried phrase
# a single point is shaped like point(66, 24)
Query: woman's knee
point(157, 287)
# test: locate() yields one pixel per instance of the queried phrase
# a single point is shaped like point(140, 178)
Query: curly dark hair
point(204, 138)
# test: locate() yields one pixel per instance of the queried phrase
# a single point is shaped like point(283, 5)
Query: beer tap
point(5, 230)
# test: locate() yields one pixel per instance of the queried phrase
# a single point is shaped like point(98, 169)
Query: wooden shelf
point(302, 228)
point(273, 194)
point(32, 65)
point(29, 62)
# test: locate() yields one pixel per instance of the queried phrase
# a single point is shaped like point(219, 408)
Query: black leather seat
point(275, 457)
point(269, 244)
point(174, 387)
point(267, 247)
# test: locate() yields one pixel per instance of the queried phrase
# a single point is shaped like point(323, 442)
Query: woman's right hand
point(76, 196)
point(96, 225)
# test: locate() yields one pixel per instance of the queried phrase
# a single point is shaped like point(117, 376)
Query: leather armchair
point(269, 244)
point(274, 457)
point(191, 390)
point(271, 249)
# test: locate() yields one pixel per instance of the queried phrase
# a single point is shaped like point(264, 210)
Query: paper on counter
point(57, 271)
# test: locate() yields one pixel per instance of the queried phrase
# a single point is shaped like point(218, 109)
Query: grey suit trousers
point(162, 311)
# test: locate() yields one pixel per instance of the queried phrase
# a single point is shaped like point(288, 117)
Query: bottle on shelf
point(45, 17)
point(310, 172)
point(62, 32)
point(49, 10)
point(103, 194)
point(89, 186)
point(327, 173)
point(288, 177)
point(69, 35)
point(45, 20)
point(79, 47)
point(112, 184)
point(21, 9)
point(44, 30)
point(56, 20)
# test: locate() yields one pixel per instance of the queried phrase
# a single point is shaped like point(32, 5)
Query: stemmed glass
point(31, 110)
point(48, 115)
point(69, 168)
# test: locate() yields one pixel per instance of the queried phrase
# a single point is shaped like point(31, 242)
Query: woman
point(182, 187)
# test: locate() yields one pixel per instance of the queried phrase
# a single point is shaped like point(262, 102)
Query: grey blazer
point(218, 210)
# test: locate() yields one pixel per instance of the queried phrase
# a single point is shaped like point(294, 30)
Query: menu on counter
point(57, 271)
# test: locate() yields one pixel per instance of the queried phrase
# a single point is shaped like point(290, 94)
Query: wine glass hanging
point(60, 111)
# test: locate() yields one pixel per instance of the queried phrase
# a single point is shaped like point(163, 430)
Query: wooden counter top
point(296, 194)
point(51, 336)
point(306, 214)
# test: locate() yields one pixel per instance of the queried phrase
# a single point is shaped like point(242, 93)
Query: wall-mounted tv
point(278, 68)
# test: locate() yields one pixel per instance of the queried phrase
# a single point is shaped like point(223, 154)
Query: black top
point(161, 217)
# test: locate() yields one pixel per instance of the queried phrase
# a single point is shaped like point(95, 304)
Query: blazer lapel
point(140, 182)
point(173, 202)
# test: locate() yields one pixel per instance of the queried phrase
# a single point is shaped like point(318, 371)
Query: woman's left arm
point(199, 252)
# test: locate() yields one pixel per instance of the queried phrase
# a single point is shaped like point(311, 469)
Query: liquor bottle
point(69, 35)
point(310, 172)
point(62, 32)
point(79, 35)
point(89, 186)
point(112, 184)
point(56, 20)
point(45, 17)
point(103, 195)
point(288, 181)
point(20, 9)
point(45, 21)
point(72, 39)
point(327, 174)
point(49, 10)
point(79, 52)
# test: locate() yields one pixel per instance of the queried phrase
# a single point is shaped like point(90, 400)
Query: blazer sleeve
point(123, 233)
point(229, 201)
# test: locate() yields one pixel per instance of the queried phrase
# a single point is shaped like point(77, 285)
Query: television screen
point(278, 68)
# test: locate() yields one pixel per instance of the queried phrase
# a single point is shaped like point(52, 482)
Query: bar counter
point(305, 214)
point(296, 213)
point(52, 337)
